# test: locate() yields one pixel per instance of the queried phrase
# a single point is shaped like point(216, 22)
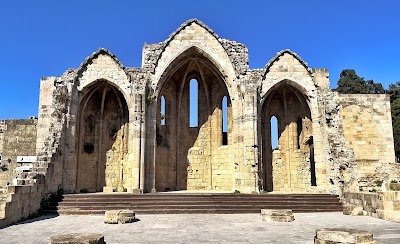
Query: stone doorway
point(288, 167)
point(102, 139)
point(190, 155)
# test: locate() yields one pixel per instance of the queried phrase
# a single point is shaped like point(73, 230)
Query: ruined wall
point(150, 156)
point(203, 144)
point(367, 126)
point(382, 205)
point(19, 140)
point(291, 166)
point(21, 201)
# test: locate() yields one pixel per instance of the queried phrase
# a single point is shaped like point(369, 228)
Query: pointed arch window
point(224, 107)
point(274, 133)
point(162, 111)
point(194, 103)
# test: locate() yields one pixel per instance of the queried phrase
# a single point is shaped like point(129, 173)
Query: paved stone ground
point(199, 228)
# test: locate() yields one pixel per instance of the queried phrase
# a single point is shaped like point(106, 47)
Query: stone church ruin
point(104, 127)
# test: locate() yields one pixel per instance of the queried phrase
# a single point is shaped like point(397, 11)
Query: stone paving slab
point(199, 228)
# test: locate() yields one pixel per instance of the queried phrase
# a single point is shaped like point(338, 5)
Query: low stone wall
point(382, 205)
point(21, 201)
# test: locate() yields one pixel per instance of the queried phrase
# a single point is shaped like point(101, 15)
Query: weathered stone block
point(78, 238)
point(277, 215)
point(119, 216)
point(136, 191)
point(343, 235)
point(349, 209)
point(394, 186)
point(108, 189)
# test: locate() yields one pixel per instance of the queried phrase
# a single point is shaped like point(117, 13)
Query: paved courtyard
point(199, 228)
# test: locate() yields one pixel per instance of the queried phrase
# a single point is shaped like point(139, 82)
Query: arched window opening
point(299, 130)
point(274, 133)
point(224, 120)
point(194, 101)
point(162, 112)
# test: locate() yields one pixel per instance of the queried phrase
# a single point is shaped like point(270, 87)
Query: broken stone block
point(349, 209)
point(394, 186)
point(78, 238)
point(119, 216)
point(277, 215)
point(343, 235)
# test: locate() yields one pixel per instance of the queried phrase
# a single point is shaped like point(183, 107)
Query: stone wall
point(319, 144)
point(19, 139)
point(21, 201)
point(175, 156)
point(328, 142)
point(367, 127)
point(383, 205)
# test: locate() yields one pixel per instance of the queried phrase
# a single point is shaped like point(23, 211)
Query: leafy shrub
point(379, 183)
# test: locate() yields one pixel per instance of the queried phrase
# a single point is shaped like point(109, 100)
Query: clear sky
point(44, 38)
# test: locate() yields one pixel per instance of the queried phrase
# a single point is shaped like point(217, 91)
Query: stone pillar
point(248, 169)
point(150, 148)
point(44, 120)
point(137, 138)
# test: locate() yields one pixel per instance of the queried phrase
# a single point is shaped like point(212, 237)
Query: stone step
point(169, 206)
point(180, 203)
point(192, 203)
point(182, 211)
point(192, 195)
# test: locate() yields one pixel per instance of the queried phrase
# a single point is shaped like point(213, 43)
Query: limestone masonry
point(107, 127)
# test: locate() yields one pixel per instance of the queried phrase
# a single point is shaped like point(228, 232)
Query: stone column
point(248, 170)
point(137, 138)
point(150, 148)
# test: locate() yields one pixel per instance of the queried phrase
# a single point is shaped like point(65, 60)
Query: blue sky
point(44, 38)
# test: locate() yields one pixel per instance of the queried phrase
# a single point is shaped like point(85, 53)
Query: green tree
point(394, 92)
point(351, 83)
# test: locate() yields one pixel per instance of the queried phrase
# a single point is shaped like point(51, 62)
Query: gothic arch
point(207, 44)
point(288, 66)
point(288, 102)
point(182, 27)
point(101, 138)
point(280, 54)
point(184, 153)
point(102, 65)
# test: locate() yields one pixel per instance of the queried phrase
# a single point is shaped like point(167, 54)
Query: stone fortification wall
point(367, 128)
point(341, 164)
point(382, 205)
point(21, 201)
point(19, 139)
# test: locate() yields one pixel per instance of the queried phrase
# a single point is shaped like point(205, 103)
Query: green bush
point(379, 183)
